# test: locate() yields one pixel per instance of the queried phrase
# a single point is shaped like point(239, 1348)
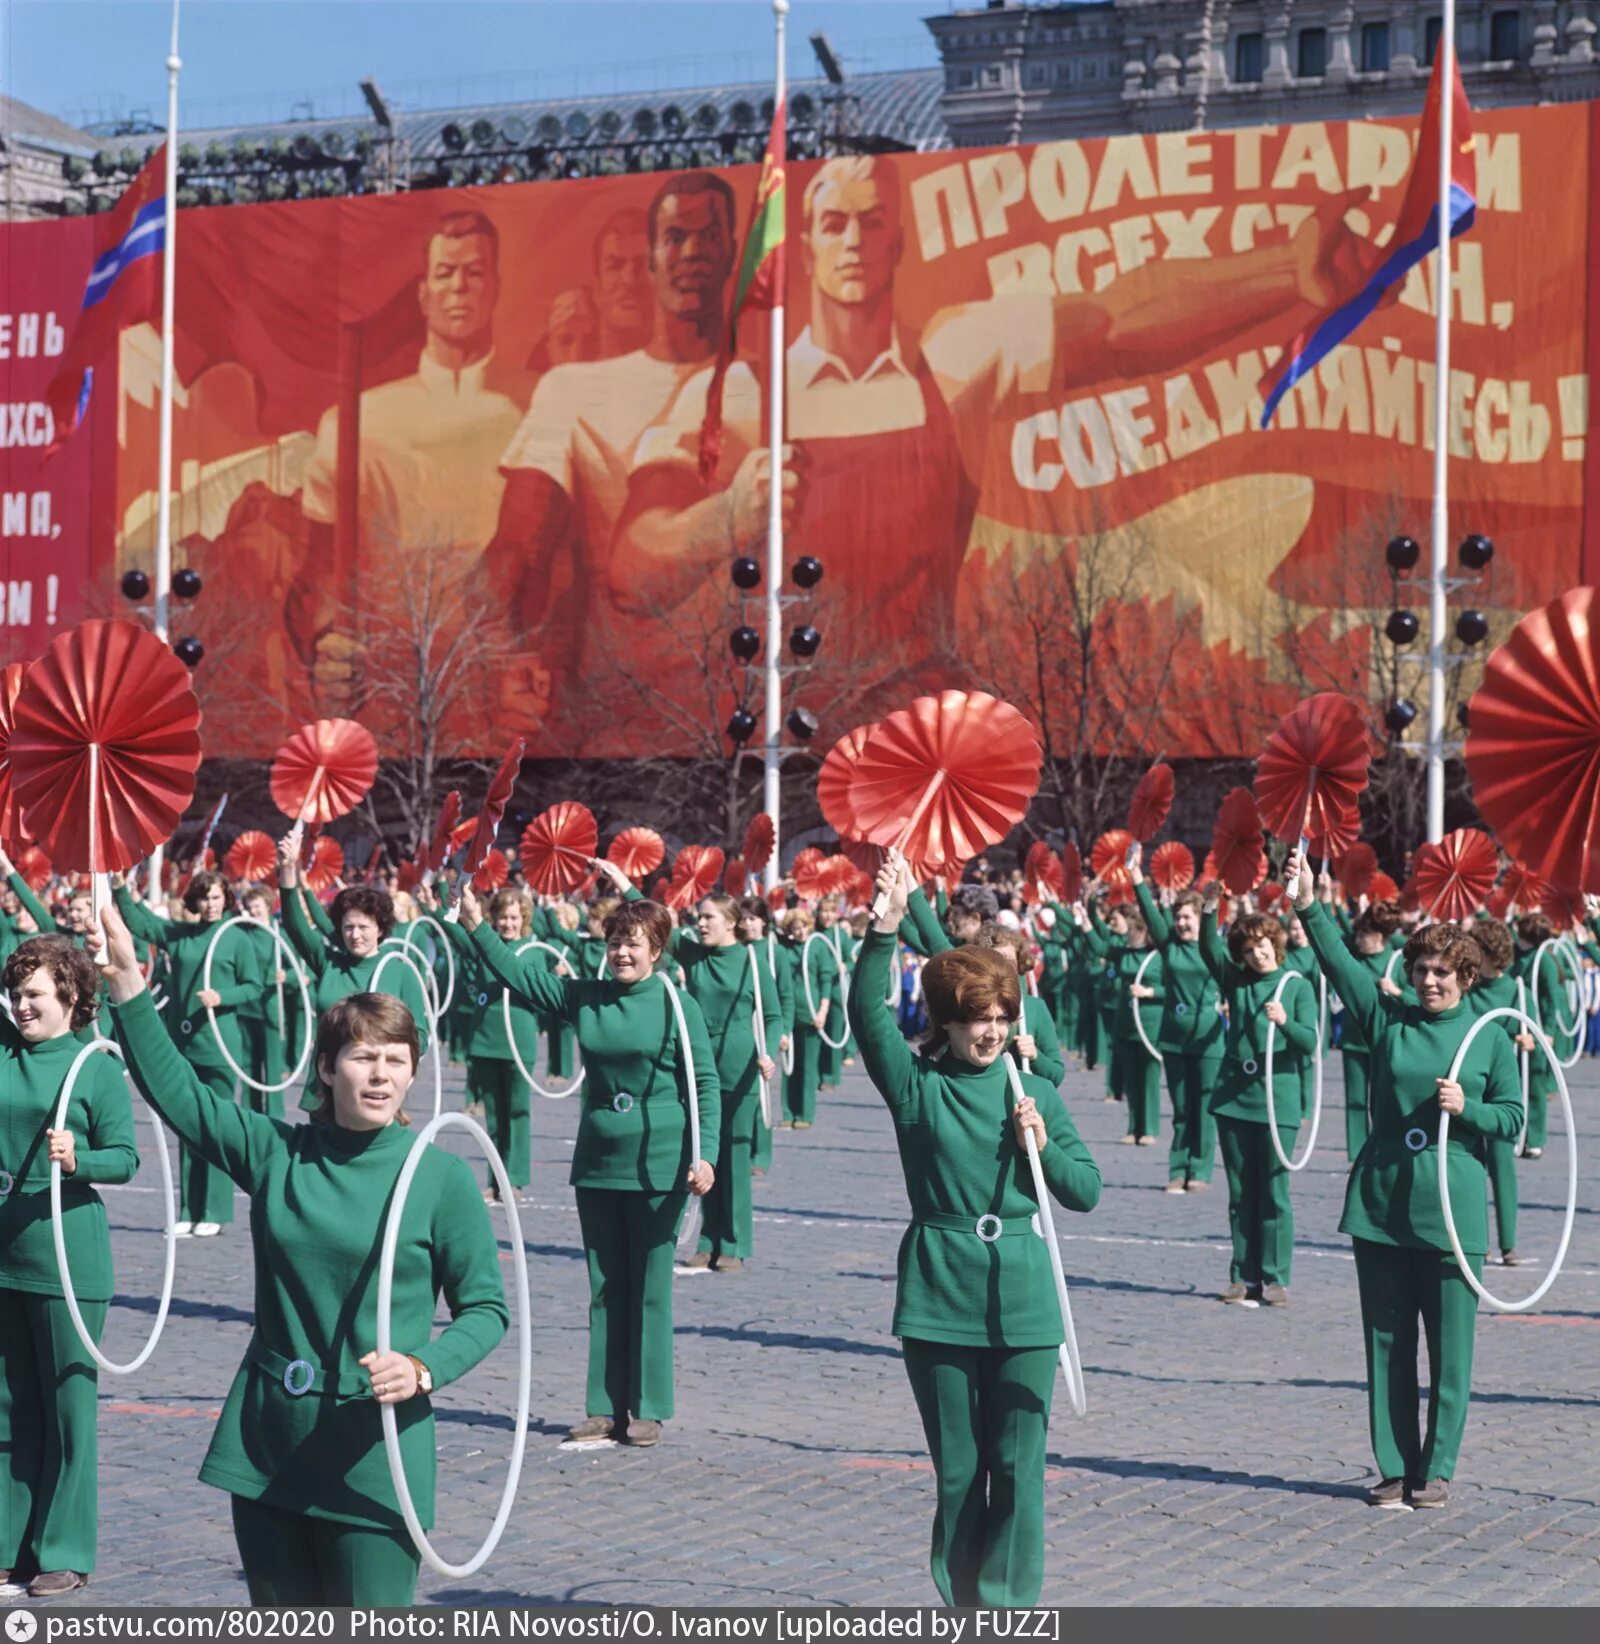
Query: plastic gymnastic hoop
point(1316, 1088)
point(787, 1053)
point(1071, 1359)
point(1394, 959)
point(1522, 1067)
point(811, 998)
point(511, 1037)
point(1494, 1302)
point(108, 1047)
point(893, 1001)
point(435, 1047)
point(1138, 1015)
point(759, 1023)
point(1559, 944)
point(690, 1232)
point(305, 999)
point(391, 1432)
point(449, 957)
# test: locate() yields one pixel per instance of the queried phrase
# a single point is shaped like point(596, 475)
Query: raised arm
point(42, 916)
point(1211, 945)
point(1155, 918)
point(527, 975)
point(142, 924)
point(1365, 1006)
point(931, 937)
point(313, 951)
point(885, 1055)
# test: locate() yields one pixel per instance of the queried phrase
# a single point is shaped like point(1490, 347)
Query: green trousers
point(1105, 1017)
point(1538, 1109)
point(1088, 1027)
point(628, 1241)
point(760, 1130)
point(1260, 1215)
point(1357, 1072)
point(291, 1558)
point(263, 1060)
point(558, 1041)
point(830, 1061)
point(1502, 1164)
point(1190, 1080)
point(727, 1218)
point(49, 1479)
point(507, 1111)
point(205, 1194)
point(800, 1086)
point(1399, 1286)
point(1135, 1075)
point(986, 1414)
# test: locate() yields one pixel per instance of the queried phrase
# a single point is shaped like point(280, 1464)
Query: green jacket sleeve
point(303, 939)
point(1049, 1064)
point(467, 1272)
point(1211, 946)
point(143, 926)
point(1096, 938)
point(109, 1153)
point(528, 974)
point(42, 916)
point(1299, 1032)
point(224, 1133)
point(930, 933)
point(1155, 918)
point(1069, 1168)
point(236, 971)
point(1497, 1114)
point(317, 916)
point(1351, 980)
point(885, 1055)
point(708, 1086)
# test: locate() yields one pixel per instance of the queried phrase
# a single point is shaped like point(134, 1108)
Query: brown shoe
point(698, 1262)
point(593, 1430)
point(801, 1124)
point(1509, 1258)
point(729, 1264)
point(1235, 1294)
point(1126, 1141)
point(642, 1434)
point(1275, 1295)
point(56, 1583)
point(1435, 1493)
point(1390, 1493)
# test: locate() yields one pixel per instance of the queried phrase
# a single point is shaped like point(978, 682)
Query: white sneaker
point(207, 1230)
point(182, 1230)
point(1175, 1187)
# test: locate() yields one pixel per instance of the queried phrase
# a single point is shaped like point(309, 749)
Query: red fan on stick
point(1151, 801)
point(438, 851)
point(326, 864)
point(838, 874)
point(1071, 873)
point(1533, 741)
point(1563, 908)
point(1356, 868)
point(1382, 888)
point(947, 777)
point(493, 872)
point(759, 839)
point(34, 866)
point(324, 770)
point(1455, 875)
point(557, 847)
point(10, 814)
point(1042, 871)
point(638, 852)
point(494, 807)
point(1311, 774)
point(1172, 866)
point(1236, 843)
point(1521, 889)
point(806, 873)
point(695, 871)
point(834, 780)
point(734, 876)
point(1108, 858)
point(105, 746)
point(1330, 846)
point(252, 856)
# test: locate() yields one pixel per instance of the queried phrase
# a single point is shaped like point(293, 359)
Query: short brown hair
point(724, 904)
point(1497, 945)
point(68, 966)
point(992, 934)
point(1251, 928)
point(200, 886)
point(372, 900)
point(361, 1019)
point(962, 984)
point(1377, 919)
point(1451, 944)
point(648, 919)
point(1534, 928)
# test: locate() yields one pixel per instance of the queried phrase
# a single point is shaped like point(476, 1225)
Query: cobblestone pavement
point(1221, 1460)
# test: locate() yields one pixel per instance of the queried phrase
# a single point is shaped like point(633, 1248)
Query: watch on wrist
point(424, 1374)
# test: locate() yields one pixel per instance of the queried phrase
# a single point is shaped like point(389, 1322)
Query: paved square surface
point(1221, 1461)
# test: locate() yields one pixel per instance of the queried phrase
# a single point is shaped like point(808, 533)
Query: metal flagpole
point(770, 793)
point(163, 589)
point(1441, 434)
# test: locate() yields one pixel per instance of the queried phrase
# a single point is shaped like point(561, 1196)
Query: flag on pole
point(1415, 235)
point(124, 287)
point(759, 284)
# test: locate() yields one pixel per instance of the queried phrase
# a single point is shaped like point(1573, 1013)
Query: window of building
point(1312, 54)
point(992, 74)
point(1038, 74)
point(1374, 48)
point(1505, 36)
point(1091, 68)
point(1064, 70)
point(1432, 34)
point(962, 79)
point(1248, 58)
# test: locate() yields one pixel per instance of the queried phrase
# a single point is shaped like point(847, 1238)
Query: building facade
point(37, 153)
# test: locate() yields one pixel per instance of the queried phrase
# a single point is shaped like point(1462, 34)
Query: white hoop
point(689, 1233)
point(435, 1045)
point(759, 1024)
point(430, 983)
point(1316, 1099)
point(516, 1055)
point(893, 1001)
point(519, 1258)
point(811, 998)
point(786, 1053)
point(305, 999)
point(1559, 945)
point(1494, 1302)
point(1394, 959)
point(109, 1047)
point(449, 957)
point(1522, 1068)
point(1138, 1015)
point(1071, 1359)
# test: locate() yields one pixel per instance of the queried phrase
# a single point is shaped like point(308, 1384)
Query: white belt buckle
point(988, 1228)
point(1416, 1138)
point(622, 1102)
point(299, 1377)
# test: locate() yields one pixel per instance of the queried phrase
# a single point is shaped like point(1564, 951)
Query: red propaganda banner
point(1023, 404)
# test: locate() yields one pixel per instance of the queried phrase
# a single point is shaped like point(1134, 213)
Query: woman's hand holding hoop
point(1451, 1096)
point(1026, 1118)
point(394, 1377)
point(1276, 1013)
point(63, 1150)
point(701, 1179)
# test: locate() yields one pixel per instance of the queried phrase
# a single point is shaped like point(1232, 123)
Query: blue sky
point(257, 59)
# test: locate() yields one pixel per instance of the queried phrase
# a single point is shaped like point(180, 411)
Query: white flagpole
point(1440, 562)
point(770, 792)
point(163, 589)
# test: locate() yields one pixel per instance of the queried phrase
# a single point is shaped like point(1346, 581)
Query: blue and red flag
point(1415, 235)
point(124, 287)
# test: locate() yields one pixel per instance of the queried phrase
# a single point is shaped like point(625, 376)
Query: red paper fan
point(947, 777)
point(1533, 741)
point(1522, 889)
point(861, 889)
point(557, 847)
point(1382, 888)
point(439, 847)
point(327, 863)
point(1108, 858)
point(1312, 772)
point(1120, 892)
point(777, 897)
point(462, 834)
point(1456, 874)
point(805, 873)
point(1563, 908)
point(638, 852)
point(734, 876)
point(838, 873)
point(1071, 873)
point(1172, 866)
point(494, 807)
point(10, 813)
point(493, 872)
point(864, 855)
point(113, 687)
point(251, 856)
point(324, 770)
point(759, 839)
point(407, 876)
point(1151, 801)
point(1356, 868)
point(1330, 846)
point(34, 867)
point(1269, 896)
point(695, 871)
point(835, 777)
point(1236, 843)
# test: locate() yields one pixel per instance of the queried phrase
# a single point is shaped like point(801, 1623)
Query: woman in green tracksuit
point(729, 984)
point(975, 1306)
point(816, 983)
point(754, 919)
point(1057, 986)
point(299, 1443)
point(556, 923)
point(1260, 1214)
point(1371, 934)
point(1190, 1036)
point(1547, 1004)
point(1495, 987)
point(632, 1167)
point(266, 1022)
point(831, 1057)
point(205, 1195)
point(1121, 945)
point(48, 1383)
point(1405, 1268)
